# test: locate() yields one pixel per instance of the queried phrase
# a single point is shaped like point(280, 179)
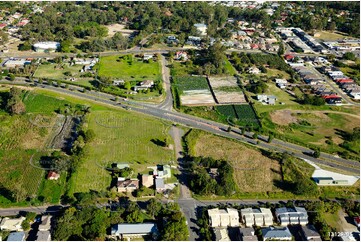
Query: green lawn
point(332, 220)
point(116, 67)
point(50, 191)
point(329, 36)
point(120, 137)
point(229, 67)
point(37, 103)
point(183, 69)
point(52, 72)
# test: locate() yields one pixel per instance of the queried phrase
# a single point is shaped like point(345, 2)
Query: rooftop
point(144, 228)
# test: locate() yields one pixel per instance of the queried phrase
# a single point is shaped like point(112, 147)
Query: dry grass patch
point(283, 117)
point(253, 172)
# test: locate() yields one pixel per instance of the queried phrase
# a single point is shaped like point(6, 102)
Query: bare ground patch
point(283, 117)
point(253, 172)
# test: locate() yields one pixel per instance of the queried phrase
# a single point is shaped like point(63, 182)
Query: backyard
point(123, 137)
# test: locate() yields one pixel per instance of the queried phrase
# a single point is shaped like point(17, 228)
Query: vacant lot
point(253, 172)
point(52, 71)
point(315, 127)
point(22, 138)
point(226, 90)
point(135, 70)
point(120, 137)
point(329, 36)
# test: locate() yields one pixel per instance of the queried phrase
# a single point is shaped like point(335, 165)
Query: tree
point(67, 225)
point(127, 85)
point(316, 153)
point(175, 231)
point(270, 138)
point(89, 135)
point(349, 56)
point(14, 104)
point(12, 77)
point(281, 50)
point(154, 207)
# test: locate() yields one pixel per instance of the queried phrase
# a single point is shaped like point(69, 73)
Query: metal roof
point(16, 236)
point(144, 228)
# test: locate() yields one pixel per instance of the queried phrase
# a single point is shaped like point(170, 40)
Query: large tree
point(14, 104)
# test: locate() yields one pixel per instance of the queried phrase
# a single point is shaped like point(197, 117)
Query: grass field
point(50, 71)
point(116, 67)
point(183, 69)
point(229, 67)
point(22, 141)
point(120, 137)
point(321, 127)
point(253, 172)
point(329, 36)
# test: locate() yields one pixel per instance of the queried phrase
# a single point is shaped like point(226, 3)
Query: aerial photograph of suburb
point(179, 120)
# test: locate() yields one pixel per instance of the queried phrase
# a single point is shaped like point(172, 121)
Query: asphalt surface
point(37, 210)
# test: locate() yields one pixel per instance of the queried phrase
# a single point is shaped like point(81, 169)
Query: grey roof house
point(296, 215)
point(272, 233)
point(16, 236)
point(134, 230)
point(43, 236)
point(309, 233)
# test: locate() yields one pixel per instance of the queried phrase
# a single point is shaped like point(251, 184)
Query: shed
point(134, 230)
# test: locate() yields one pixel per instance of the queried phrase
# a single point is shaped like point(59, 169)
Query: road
point(37, 210)
point(334, 86)
point(185, 201)
point(168, 102)
point(213, 127)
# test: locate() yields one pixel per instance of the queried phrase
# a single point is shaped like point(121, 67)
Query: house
point(118, 82)
point(147, 180)
point(127, 185)
point(257, 217)
point(159, 184)
point(163, 171)
point(16, 236)
point(148, 57)
point(221, 234)
point(223, 217)
point(247, 234)
point(134, 230)
point(296, 215)
point(269, 99)
point(201, 28)
point(355, 94)
point(254, 70)
point(309, 233)
point(281, 81)
point(12, 224)
point(12, 63)
point(47, 46)
point(144, 85)
point(213, 172)
point(43, 236)
point(272, 233)
point(52, 175)
point(45, 223)
point(322, 181)
point(289, 57)
point(121, 165)
point(181, 55)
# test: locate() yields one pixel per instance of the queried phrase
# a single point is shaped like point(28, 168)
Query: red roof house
point(52, 175)
point(344, 80)
point(289, 57)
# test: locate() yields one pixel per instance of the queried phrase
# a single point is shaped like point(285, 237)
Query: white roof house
point(297, 215)
point(202, 28)
point(223, 217)
point(16, 62)
point(258, 217)
point(48, 45)
point(45, 223)
point(43, 236)
point(12, 224)
point(134, 230)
